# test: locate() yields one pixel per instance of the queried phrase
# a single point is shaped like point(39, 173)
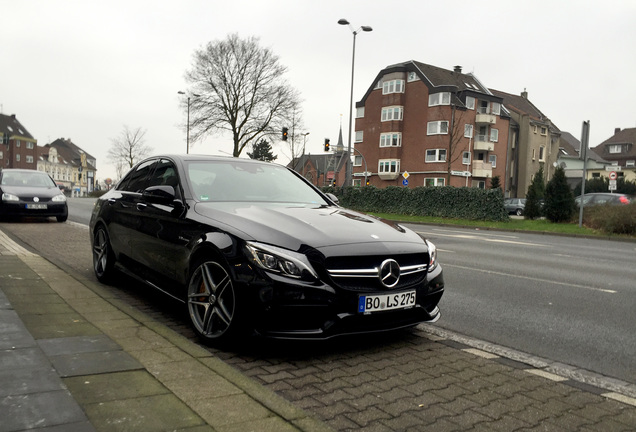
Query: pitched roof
point(70, 152)
point(626, 137)
point(9, 125)
point(522, 105)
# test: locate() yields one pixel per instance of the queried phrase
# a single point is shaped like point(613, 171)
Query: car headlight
point(59, 198)
point(280, 261)
point(9, 197)
point(432, 253)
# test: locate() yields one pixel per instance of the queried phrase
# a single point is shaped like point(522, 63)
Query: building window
point(615, 148)
point(17, 157)
point(412, 76)
point(596, 175)
point(357, 182)
point(391, 139)
point(481, 184)
point(541, 154)
point(359, 136)
point(436, 155)
point(1, 155)
point(29, 145)
point(389, 166)
point(496, 108)
point(629, 163)
point(494, 135)
point(466, 158)
point(437, 128)
point(17, 143)
point(392, 113)
point(544, 131)
point(493, 160)
point(393, 86)
point(534, 154)
point(468, 131)
point(357, 160)
point(437, 181)
point(29, 159)
point(442, 98)
point(470, 102)
point(534, 128)
point(360, 112)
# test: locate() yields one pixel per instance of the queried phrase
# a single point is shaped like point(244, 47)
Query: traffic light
point(368, 182)
point(326, 144)
point(285, 134)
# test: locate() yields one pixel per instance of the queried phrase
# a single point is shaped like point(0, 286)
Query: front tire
point(212, 302)
point(103, 256)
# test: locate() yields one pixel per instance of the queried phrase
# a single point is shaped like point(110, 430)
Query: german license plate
point(36, 206)
point(377, 303)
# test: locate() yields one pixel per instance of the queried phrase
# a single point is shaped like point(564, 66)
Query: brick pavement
point(407, 381)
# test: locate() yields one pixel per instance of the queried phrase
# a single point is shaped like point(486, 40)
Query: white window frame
point(391, 139)
point(439, 127)
point(630, 163)
point(17, 143)
point(360, 112)
point(393, 86)
point(493, 160)
point(29, 159)
point(357, 160)
point(29, 145)
point(412, 77)
point(392, 113)
point(441, 98)
point(393, 166)
point(468, 130)
point(466, 158)
point(541, 153)
point(470, 102)
point(544, 130)
point(359, 136)
point(495, 108)
point(615, 148)
point(435, 155)
point(17, 157)
point(494, 135)
point(437, 181)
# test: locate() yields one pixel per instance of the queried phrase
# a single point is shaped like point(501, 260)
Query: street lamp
point(353, 62)
point(188, 121)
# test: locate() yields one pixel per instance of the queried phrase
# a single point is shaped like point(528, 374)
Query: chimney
point(457, 69)
point(524, 94)
point(616, 130)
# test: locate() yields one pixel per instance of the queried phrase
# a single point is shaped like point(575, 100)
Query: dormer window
point(393, 86)
point(615, 148)
point(442, 98)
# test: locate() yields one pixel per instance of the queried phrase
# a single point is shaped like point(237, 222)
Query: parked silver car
point(515, 205)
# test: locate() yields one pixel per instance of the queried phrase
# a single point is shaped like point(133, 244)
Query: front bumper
point(20, 209)
point(296, 311)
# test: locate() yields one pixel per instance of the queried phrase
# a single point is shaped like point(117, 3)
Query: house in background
point(69, 165)
point(620, 151)
point(533, 143)
point(18, 148)
point(421, 125)
point(570, 160)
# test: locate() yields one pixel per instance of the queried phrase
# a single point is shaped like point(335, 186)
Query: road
point(572, 300)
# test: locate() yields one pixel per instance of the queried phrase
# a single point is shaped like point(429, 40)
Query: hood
point(291, 226)
point(27, 191)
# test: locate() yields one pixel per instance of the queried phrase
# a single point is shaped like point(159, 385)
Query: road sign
point(613, 168)
point(406, 175)
point(405, 182)
point(613, 175)
point(612, 185)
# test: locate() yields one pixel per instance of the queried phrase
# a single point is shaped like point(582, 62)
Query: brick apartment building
point(18, 149)
point(442, 127)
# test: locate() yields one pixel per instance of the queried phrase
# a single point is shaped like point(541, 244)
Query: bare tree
point(128, 149)
point(236, 86)
point(456, 134)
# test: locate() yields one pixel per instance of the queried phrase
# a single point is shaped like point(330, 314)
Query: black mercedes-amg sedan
point(252, 246)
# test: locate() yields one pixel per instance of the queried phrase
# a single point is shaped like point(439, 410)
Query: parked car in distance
point(252, 246)
point(515, 205)
point(600, 198)
point(31, 193)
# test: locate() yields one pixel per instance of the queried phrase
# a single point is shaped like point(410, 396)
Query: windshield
point(27, 179)
point(248, 182)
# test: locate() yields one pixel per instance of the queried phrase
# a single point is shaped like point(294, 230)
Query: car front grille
point(363, 273)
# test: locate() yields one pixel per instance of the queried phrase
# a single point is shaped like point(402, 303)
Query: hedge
point(444, 201)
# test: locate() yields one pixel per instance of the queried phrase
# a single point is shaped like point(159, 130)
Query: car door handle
point(141, 206)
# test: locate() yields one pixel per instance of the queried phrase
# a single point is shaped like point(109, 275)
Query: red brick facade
point(445, 140)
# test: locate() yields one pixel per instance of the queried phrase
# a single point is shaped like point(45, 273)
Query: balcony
point(482, 169)
point(482, 143)
point(388, 175)
point(484, 117)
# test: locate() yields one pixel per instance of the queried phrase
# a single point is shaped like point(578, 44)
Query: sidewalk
point(72, 359)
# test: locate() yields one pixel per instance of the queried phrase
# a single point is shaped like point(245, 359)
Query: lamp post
point(304, 143)
point(188, 121)
point(353, 62)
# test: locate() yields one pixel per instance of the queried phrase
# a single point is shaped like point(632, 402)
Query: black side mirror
point(163, 195)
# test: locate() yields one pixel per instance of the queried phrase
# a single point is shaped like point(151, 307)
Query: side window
point(135, 181)
point(164, 174)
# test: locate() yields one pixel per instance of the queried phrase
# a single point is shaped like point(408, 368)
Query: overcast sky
point(83, 69)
